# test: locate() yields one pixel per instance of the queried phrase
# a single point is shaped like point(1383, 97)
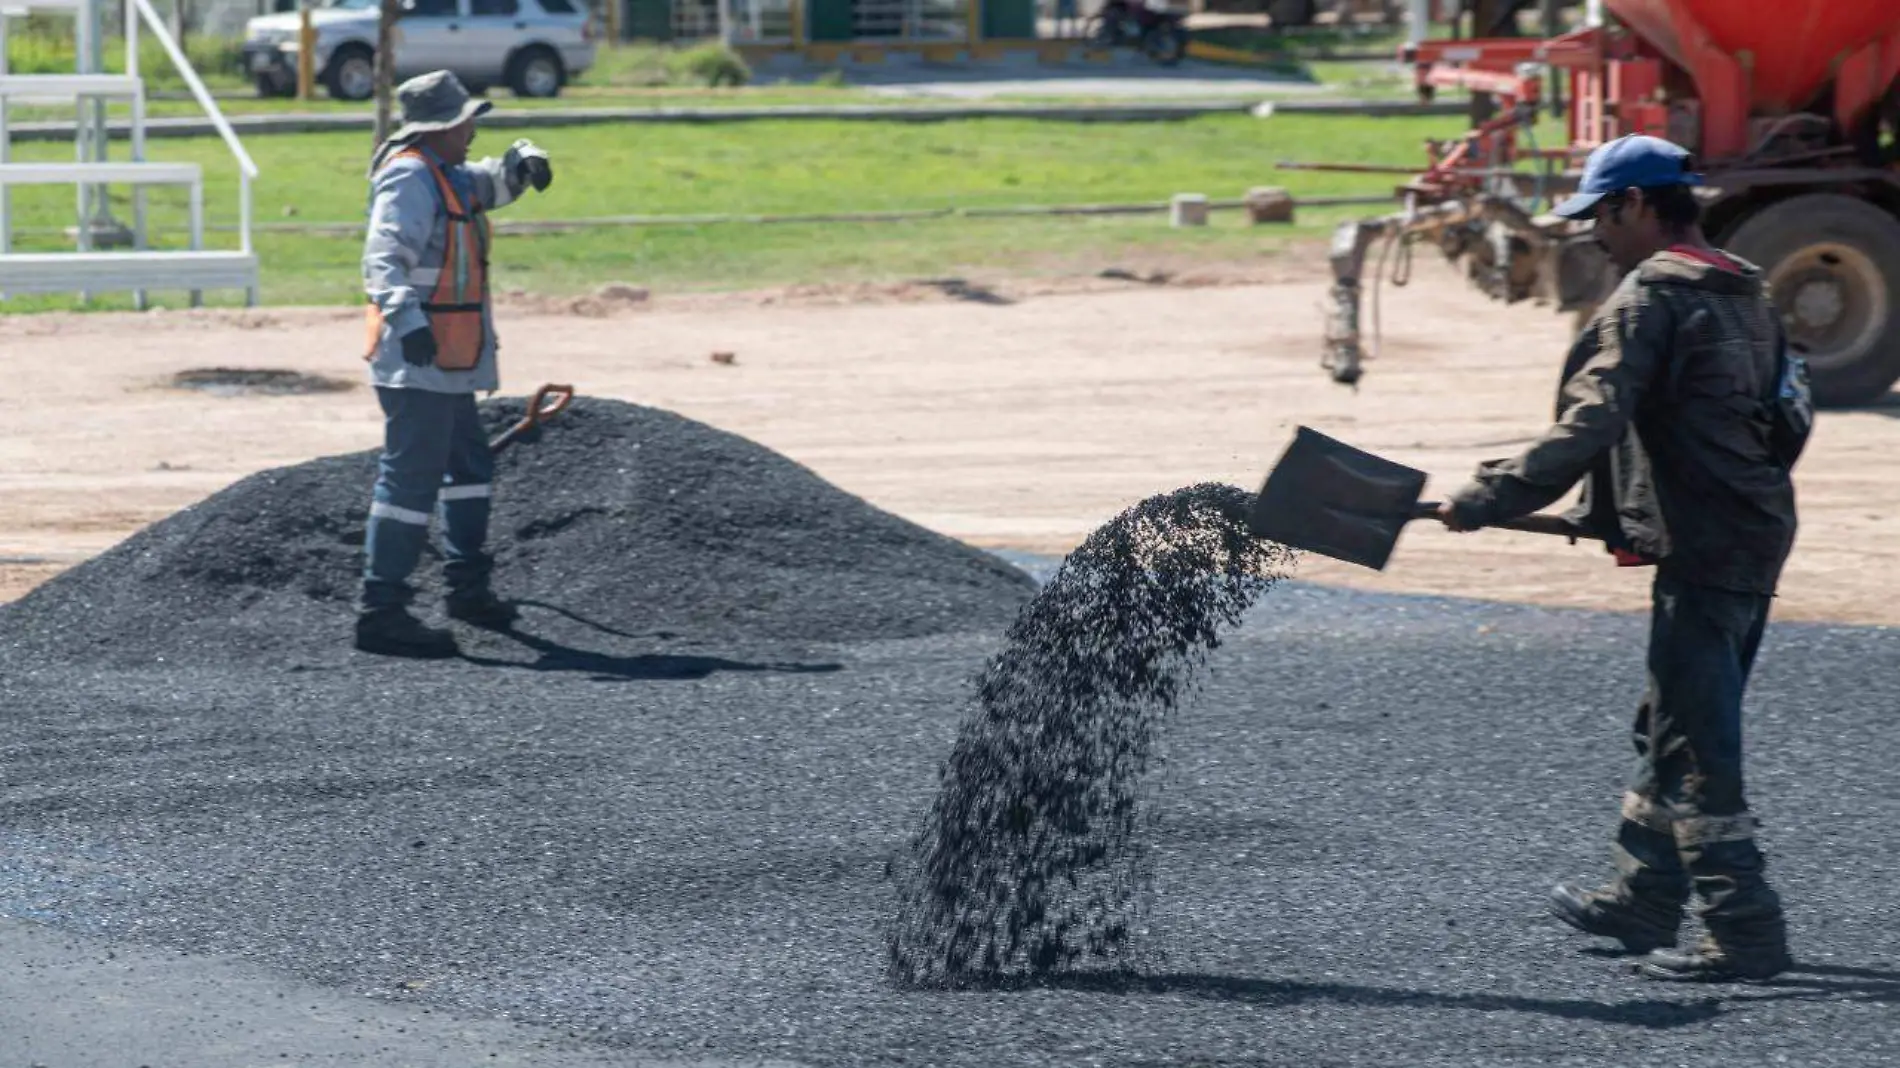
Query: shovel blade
point(1326, 497)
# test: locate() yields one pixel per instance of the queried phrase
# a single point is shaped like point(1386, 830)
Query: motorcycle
point(1148, 25)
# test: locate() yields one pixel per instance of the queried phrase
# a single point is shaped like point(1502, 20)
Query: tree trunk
point(385, 65)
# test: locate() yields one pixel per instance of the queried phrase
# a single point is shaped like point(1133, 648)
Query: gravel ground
point(1362, 809)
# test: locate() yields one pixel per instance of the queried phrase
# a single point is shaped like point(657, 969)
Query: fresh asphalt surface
point(339, 860)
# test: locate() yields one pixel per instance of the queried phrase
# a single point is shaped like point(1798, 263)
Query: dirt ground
point(1011, 416)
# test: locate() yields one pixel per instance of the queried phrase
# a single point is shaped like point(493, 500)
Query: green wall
point(647, 20)
point(828, 20)
point(1009, 18)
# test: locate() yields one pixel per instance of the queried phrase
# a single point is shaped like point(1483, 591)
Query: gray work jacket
point(402, 254)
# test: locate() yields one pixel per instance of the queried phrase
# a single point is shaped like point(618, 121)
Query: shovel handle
point(1529, 524)
point(540, 409)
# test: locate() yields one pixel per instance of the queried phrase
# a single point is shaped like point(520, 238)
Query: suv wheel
point(269, 85)
point(352, 74)
point(536, 72)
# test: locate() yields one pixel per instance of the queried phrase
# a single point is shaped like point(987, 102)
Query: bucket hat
point(430, 102)
point(434, 101)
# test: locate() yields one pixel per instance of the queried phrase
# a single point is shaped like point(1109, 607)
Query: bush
point(710, 64)
point(629, 66)
point(50, 50)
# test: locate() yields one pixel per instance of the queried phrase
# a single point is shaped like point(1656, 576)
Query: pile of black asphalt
point(626, 518)
point(657, 820)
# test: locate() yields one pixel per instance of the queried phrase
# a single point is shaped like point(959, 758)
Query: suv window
point(558, 7)
point(436, 9)
point(494, 7)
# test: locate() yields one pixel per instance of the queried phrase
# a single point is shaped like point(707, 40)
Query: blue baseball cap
point(1636, 159)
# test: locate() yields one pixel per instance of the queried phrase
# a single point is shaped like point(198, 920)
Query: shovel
point(540, 409)
point(1325, 496)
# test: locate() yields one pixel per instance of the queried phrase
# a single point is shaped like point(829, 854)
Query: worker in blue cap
point(1682, 414)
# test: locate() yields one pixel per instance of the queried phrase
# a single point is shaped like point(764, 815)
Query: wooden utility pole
point(385, 65)
point(306, 52)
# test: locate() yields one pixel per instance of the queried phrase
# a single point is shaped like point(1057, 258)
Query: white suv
point(532, 46)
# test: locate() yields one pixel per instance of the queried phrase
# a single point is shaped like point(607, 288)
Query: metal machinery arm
point(1468, 198)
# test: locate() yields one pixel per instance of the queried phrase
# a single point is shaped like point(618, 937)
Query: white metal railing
point(247, 169)
point(910, 20)
point(770, 21)
point(758, 21)
point(696, 20)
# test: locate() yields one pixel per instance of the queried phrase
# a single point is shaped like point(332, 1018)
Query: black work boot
point(394, 632)
point(1747, 931)
point(480, 608)
point(1606, 914)
point(1710, 962)
point(1642, 907)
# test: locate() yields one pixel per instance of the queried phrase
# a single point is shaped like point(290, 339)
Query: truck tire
point(351, 74)
point(1833, 265)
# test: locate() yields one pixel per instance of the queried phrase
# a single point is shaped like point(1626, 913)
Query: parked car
point(532, 46)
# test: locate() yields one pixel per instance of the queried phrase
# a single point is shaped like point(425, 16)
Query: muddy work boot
point(1711, 962)
point(1747, 930)
point(481, 608)
point(394, 632)
point(1602, 913)
point(1642, 907)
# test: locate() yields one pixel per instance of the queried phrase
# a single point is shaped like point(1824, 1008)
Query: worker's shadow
point(1806, 982)
point(640, 667)
point(1834, 983)
point(1831, 982)
point(1278, 993)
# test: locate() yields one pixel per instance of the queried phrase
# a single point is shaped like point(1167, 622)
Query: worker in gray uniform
point(431, 347)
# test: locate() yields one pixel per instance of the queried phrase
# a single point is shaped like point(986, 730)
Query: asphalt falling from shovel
point(1034, 858)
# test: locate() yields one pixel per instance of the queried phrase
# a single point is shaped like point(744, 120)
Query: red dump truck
point(1792, 108)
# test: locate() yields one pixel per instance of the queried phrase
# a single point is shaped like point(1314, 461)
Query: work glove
point(528, 165)
point(418, 347)
point(1464, 509)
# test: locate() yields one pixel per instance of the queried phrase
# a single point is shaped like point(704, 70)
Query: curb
point(265, 125)
point(556, 226)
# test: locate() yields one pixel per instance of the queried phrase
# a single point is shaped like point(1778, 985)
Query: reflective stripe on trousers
point(435, 454)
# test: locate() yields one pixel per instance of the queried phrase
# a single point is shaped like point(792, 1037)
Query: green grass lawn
point(306, 270)
point(635, 75)
point(788, 167)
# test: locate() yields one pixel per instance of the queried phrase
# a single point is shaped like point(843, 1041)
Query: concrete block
point(1188, 209)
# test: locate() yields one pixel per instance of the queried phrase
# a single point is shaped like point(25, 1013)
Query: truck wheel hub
point(1819, 303)
point(1834, 299)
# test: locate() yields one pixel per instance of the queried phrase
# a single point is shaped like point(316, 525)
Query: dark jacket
point(1663, 411)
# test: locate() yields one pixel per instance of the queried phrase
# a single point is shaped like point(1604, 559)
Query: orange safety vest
point(455, 305)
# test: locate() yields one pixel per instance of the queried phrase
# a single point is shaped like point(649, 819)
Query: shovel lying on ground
point(1325, 496)
point(540, 410)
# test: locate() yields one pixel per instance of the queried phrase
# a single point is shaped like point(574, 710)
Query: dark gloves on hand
point(1464, 510)
point(531, 166)
point(537, 171)
point(418, 347)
